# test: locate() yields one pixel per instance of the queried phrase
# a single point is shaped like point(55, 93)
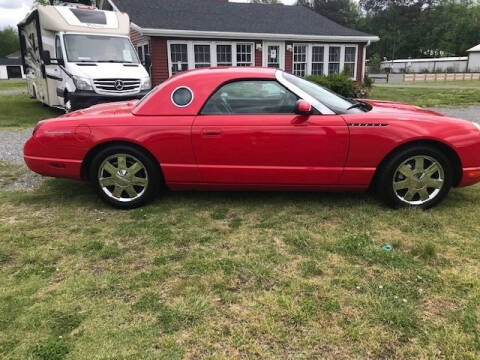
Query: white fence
point(441, 77)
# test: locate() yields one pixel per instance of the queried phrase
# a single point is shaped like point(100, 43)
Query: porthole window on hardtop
point(182, 96)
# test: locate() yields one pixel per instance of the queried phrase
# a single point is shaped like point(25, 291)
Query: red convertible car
point(257, 129)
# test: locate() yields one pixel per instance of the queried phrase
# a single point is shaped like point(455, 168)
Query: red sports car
point(257, 129)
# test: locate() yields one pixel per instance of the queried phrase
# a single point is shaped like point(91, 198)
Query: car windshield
point(327, 97)
point(94, 48)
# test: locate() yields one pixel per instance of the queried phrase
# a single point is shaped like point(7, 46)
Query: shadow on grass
point(70, 193)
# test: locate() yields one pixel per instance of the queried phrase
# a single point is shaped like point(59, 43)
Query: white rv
point(75, 56)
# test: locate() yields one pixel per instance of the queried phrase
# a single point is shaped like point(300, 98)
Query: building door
point(14, 72)
point(274, 55)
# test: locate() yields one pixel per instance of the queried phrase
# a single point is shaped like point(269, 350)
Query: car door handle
point(211, 132)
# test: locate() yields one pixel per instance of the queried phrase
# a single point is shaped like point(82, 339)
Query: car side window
point(58, 48)
point(251, 97)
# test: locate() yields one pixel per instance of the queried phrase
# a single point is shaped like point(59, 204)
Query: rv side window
point(58, 48)
point(33, 43)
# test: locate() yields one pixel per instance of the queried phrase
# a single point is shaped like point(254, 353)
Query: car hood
point(106, 109)
point(399, 108)
point(109, 71)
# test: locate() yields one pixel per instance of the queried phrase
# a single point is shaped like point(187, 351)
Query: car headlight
point(146, 84)
point(82, 83)
point(476, 125)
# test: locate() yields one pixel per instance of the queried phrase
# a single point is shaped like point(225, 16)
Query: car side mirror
point(303, 108)
point(47, 59)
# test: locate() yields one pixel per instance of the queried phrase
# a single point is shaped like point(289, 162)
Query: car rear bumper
point(62, 168)
point(85, 99)
point(470, 176)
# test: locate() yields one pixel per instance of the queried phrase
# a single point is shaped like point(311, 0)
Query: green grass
point(237, 275)
point(426, 97)
point(21, 111)
point(13, 85)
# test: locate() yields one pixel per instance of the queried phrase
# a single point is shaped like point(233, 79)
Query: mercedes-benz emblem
point(119, 85)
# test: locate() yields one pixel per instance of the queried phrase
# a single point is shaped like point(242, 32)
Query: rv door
point(56, 77)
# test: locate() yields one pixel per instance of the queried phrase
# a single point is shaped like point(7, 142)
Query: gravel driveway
point(11, 144)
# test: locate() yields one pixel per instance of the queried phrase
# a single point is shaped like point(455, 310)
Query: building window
point(188, 55)
point(334, 60)
point(143, 51)
point(202, 56)
point(318, 58)
point(244, 55)
point(178, 57)
point(300, 60)
point(349, 64)
point(224, 55)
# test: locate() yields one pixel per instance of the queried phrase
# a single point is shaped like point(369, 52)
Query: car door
point(248, 133)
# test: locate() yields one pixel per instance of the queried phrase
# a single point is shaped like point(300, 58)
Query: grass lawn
point(13, 85)
point(427, 97)
point(237, 275)
point(21, 111)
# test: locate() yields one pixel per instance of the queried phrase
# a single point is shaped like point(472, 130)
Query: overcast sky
point(13, 11)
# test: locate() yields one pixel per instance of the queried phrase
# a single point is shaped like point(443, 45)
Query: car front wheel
point(125, 177)
point(419, 176)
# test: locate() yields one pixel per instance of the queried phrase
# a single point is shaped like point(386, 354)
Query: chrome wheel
point(418, 180)
point(123, 177)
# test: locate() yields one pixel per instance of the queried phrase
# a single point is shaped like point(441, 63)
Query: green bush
point(339, 83)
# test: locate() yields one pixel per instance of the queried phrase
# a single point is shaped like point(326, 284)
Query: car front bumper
point(85, 99)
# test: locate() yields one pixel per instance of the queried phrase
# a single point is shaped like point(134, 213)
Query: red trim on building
point(137, 38)
point(159, 55)
point(288, 58)
point(360, 62)
point(258, 55)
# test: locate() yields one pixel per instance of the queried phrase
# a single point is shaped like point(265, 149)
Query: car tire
point(419, 176)
point(125, 177)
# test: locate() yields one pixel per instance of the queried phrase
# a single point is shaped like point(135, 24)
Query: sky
point(13, 11)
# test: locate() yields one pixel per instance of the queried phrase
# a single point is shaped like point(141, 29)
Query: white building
point(474, 58)
point(11, 67)
point(435, 65)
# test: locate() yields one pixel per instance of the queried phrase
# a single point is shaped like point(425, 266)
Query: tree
point(344, 12)
point(9, 42)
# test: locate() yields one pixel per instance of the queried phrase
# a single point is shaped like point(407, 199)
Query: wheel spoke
point(432, 169)
point(434, 183)
point(135, 168)
point(424, 195)
point(122, 162)
point(410, 194)
point(107, 181)
point(108, 167)
point(406, 171)
point(139, 181)
point(400, 185)
point(419, 164)
point(131, 192)
point(117, 192)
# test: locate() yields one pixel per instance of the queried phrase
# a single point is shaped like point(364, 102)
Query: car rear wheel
point(419, 176)
point(125, 176)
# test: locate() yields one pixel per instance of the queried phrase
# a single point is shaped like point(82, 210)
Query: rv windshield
point(94, 48)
